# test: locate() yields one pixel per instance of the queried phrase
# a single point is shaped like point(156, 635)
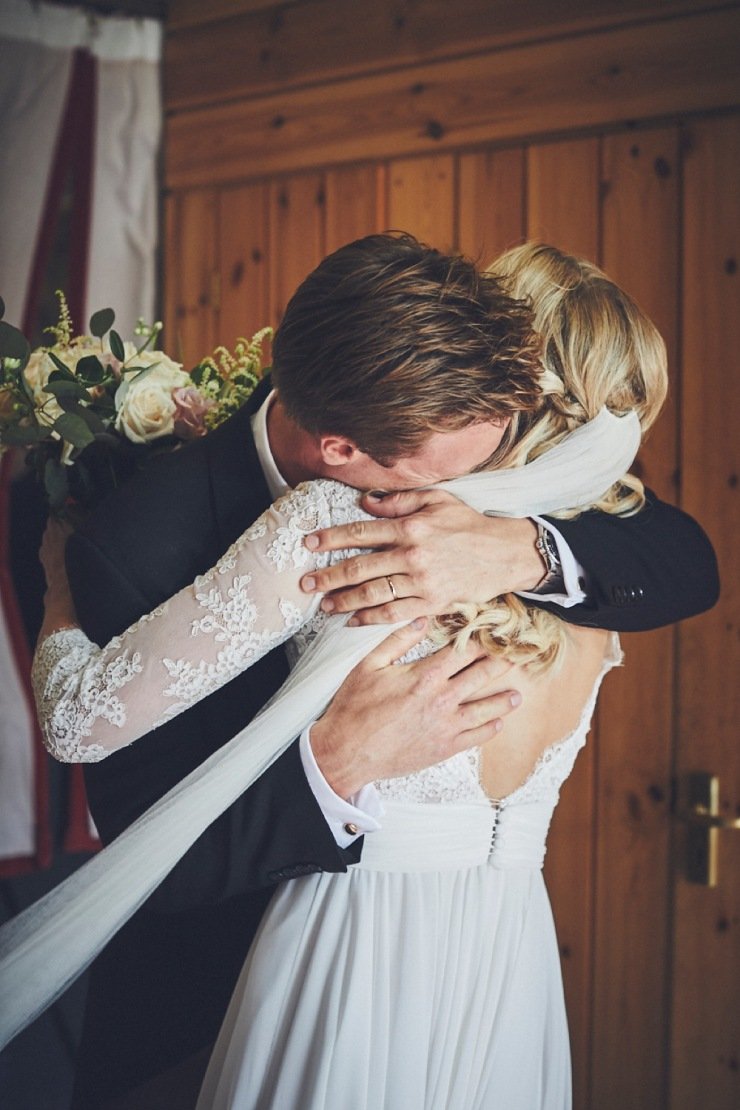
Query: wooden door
point(705, 1013)
point(650, 962)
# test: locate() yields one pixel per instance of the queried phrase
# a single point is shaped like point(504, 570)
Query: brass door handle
point(698, 809)
point(701, 816)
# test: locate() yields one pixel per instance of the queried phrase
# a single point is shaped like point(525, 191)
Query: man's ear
point(337, 450)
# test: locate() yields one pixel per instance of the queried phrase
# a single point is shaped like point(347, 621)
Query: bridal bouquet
point(91, 407)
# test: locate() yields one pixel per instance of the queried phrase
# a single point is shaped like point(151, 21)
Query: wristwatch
point(552, 580)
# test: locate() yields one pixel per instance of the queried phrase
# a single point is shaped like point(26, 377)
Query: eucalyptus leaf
point(116, 346)
point(73, 428)
point(101, 322)
point(91, 369)
point(13, 343)
point(63, 370)
point(15, 435)
point(61, 387)
point(56, 483)
point(91, 418)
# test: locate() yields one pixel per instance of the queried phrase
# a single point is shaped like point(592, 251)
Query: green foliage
point(101, 322)
point(71, 408)
point(116, 346)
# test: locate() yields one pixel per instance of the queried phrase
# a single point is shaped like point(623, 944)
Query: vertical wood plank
point(563, 208)
point(640, 229)
point(421, 194)
point(491, 214)
point(355, 203)
point(192, 267)
point(244, 250)
point(562, 190)
point(706, 1019)
point(296, 236)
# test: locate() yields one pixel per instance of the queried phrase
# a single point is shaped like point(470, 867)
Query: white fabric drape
point(45, 948)
point(37, 42)
point(17, 787)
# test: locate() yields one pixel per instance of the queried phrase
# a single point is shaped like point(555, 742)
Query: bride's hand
point(430, 551)
point(59, 607)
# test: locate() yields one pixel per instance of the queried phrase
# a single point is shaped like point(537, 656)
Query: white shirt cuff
point(574, 576)
point(347, 819)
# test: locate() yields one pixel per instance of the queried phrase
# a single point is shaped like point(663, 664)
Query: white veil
point(48, 945)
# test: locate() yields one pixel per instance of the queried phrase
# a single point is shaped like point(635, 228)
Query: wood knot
point(730, 265)
point(662, 167)
point(434, 130)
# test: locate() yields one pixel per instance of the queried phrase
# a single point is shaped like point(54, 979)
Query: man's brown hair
point(389, 340)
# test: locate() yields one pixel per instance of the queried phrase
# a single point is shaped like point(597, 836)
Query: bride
point(427, 976)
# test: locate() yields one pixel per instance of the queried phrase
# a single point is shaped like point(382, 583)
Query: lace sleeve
point(92, 701)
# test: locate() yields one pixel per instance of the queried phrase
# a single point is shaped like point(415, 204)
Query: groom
point(396, 367)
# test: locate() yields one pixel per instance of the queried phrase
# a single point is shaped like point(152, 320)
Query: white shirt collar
point(276, 483)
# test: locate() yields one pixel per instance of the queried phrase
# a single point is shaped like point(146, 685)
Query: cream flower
point(146, 407)
point(37, 373)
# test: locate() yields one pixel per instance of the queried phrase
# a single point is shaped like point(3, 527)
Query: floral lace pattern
point(235, 614)
point(66, 721)
point(240, 609)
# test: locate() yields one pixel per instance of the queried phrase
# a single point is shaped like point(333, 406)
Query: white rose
point(37, 373)
point(145, 405)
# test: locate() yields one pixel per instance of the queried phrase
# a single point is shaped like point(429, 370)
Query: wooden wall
point(612, 130)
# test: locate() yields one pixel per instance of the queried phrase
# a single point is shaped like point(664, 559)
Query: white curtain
point(37, 48)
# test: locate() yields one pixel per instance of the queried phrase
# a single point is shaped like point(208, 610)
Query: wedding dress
point(426, 977)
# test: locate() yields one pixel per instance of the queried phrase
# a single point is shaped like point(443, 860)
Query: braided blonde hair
point(598, 349)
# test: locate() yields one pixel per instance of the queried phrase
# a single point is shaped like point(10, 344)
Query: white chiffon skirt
point(426, 978)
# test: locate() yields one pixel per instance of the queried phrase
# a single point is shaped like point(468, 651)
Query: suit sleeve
point(644, 571)
point(274, 831)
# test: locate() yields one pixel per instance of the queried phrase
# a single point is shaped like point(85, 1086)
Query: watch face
point(549, 551)
point(552, 548)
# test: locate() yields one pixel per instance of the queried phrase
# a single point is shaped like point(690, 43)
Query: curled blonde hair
point(598, 349)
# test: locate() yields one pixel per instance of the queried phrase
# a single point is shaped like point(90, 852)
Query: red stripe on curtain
point(73, 155)
point(22, 655)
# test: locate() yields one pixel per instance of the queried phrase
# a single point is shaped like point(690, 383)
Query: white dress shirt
point(351, 818)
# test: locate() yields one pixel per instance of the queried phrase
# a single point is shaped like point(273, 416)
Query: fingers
point(396, 645)
point(360, 533)
point(406, 609)
point(355, 573)
point(485, 711)
point(402, 502)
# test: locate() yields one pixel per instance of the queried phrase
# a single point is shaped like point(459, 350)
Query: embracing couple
point(366, 925)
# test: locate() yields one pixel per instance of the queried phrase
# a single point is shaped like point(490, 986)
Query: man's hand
point(430, 552)
point(388, 720)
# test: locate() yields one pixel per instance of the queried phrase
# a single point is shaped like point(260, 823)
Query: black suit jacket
point(159, 991)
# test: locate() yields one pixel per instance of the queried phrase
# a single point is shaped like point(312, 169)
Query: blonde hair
point(598, 349)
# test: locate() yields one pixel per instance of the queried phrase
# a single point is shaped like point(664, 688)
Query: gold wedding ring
point(393, 588)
